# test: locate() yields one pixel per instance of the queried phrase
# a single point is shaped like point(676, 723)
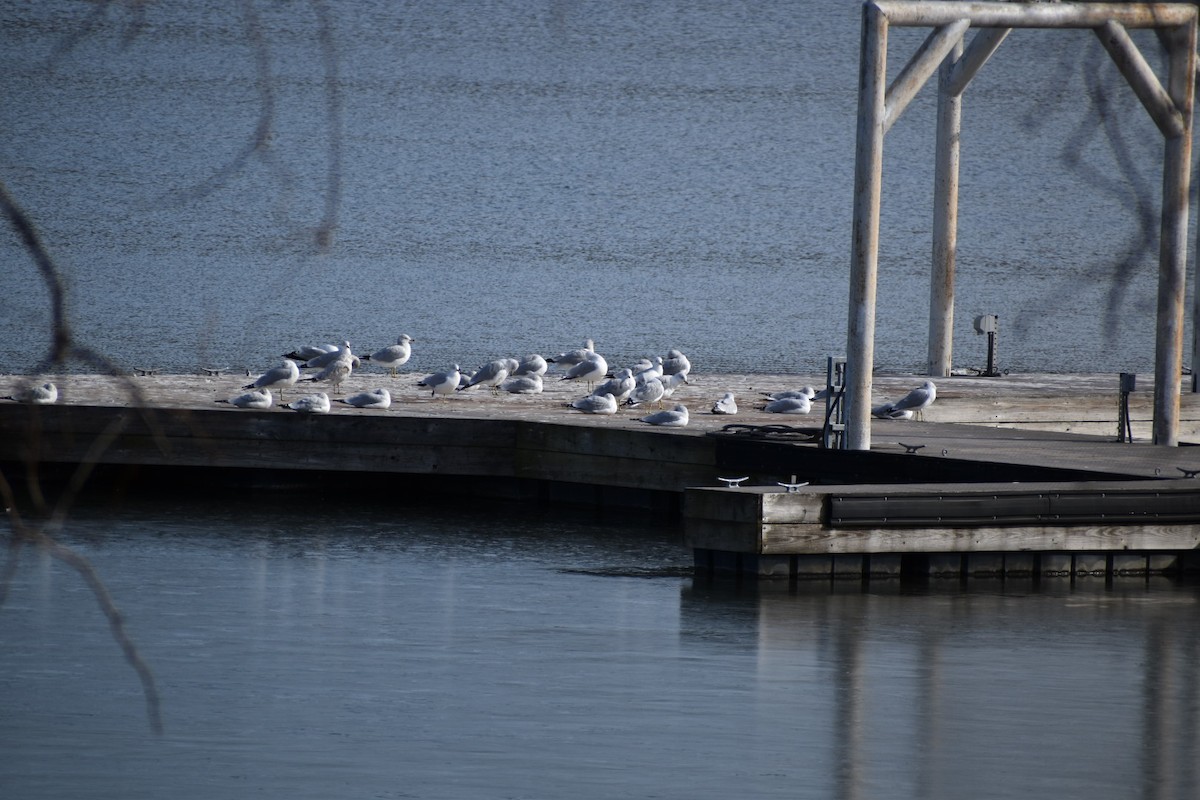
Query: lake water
point(501, 178)
point(343, 651)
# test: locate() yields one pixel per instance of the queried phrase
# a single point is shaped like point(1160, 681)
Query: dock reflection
point(1088, 687)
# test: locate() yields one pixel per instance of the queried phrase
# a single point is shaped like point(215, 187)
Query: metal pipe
point(918, 69)
point(1141, 77)
point(901, 13)
point(945, 221)
point(864, 259)
point(1172, 261)
point(982, 45)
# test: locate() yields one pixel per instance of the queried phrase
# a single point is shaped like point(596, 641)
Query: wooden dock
point(986, 476)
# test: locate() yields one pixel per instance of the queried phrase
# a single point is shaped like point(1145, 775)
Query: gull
point(676, 417)
point(789, 405)
point(655, 370)
point(590, 370)
point(806, 391)
point(532, 364)
point(671, 382)
point(375, 398)
point(573, 357)
point(282, 377)
point(596, 404)
point(619, 386)
point(491, 374)
point(915, 401)
point(256, 398)
point(325, 359)
point(311, 404)
point(335, 371)
point(530, 383)
point(42, 395)
point(394, 355)
point(310, 351)
point(726, 405)
point(676, 363)
point(441, 382)
point(649, 392)
point(888, 411)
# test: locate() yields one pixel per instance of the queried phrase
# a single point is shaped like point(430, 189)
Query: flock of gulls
point(648, 382)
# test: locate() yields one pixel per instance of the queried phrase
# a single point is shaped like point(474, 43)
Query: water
point(502, 178)
point(341, 651)
point(506, 178)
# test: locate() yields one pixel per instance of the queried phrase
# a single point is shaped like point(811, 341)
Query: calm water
point(410, 652)
point(503, 178)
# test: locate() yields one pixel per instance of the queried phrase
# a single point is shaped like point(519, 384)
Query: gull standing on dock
point(596, 404)
point(650, 391)
point(394, 355)
point(282, 377)
point(256, 398)
point(375, 398)
point(726, 405)
point(325, 359)
point(676, 417)
point(671, 382)
point(335, 371)
point(491, 374)
point(676, 363)
point(915, 401)
point(311, 404)
point(590, 370)
point(532, 364)
point(444, 383)
point(310, 351)
point(573, 357)
point(42, 395)
point(619, 386)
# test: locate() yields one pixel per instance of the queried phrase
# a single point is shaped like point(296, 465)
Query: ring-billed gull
point(619, 386)
point(596, 404)
point(726, 405)
point(309, 351)
point(643, 373)
point(649, 392)
point(532, 364)
point(676, 417)
point(676, 363)
point(491, 374)
point(41, 395)
point(335, 371)
point(255, 398)
point(530, 383)
point(887, 411)
point(671, 382)
point(590, 370)
point(394, 355)
point(282, 377)
point(325, 359)
point(375, 398)
point(572, 357)
point(441, 382)
point(311, 404)
point(915, 401)
point(789, 405)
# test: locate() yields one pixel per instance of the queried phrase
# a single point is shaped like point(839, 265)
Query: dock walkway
point(1048, 432)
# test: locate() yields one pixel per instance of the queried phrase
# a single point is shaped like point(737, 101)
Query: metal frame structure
point(943, 51)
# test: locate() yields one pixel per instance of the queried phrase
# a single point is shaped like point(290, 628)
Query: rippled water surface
point(336, 651)
point(501, 178)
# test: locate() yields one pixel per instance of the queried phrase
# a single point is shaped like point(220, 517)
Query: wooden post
point(864, 260)
point(945, 221)
point(1173, 251)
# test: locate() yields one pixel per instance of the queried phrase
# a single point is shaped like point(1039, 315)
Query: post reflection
point(996, 688)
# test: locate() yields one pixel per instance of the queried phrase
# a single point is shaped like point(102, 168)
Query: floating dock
point(996, 480)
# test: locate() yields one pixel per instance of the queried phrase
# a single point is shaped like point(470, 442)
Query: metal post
point(1172, 274)
point(864, 261)
point(945, 221)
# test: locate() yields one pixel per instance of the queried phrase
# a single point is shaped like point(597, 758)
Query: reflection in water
point(418, 652)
